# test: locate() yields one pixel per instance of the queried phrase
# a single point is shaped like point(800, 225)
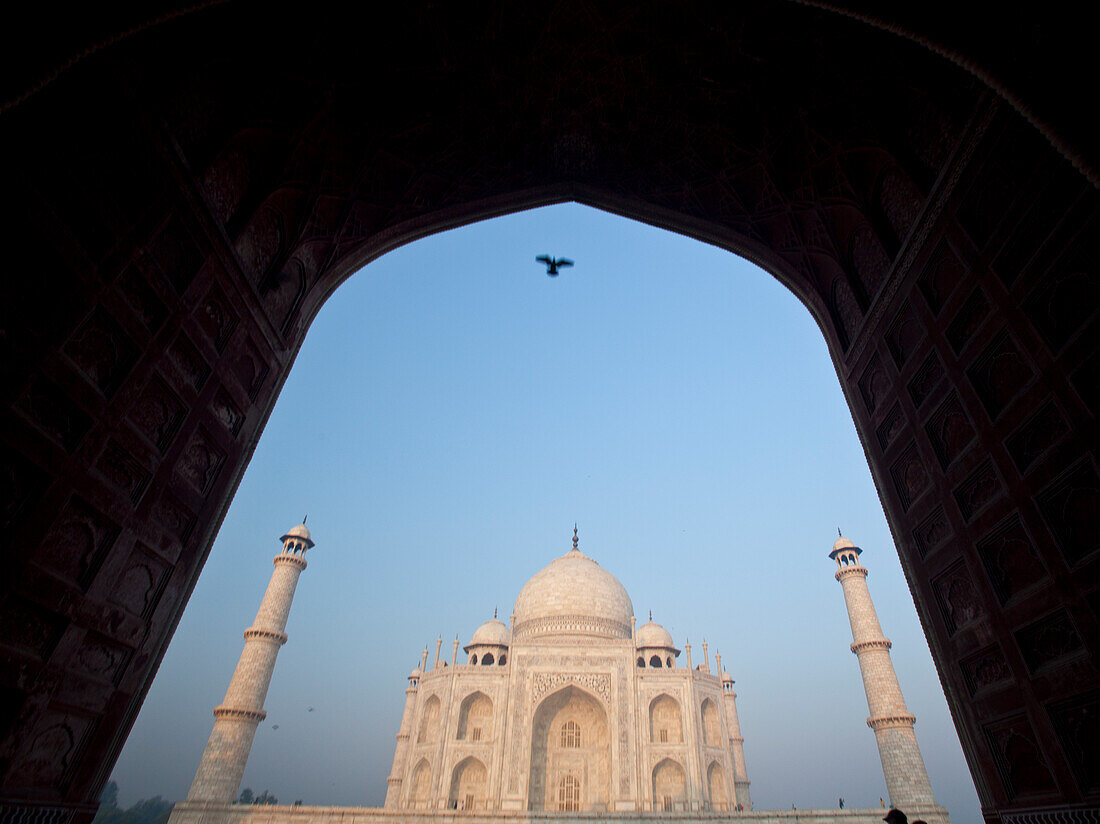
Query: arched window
point(641, 661)
point(655, 662)
point(473, 660)
point(503, 659)
point(570, 735)
point(668, 662)
point(710, 724)
point(487, 660)
point(429, 721)
point(569, 795)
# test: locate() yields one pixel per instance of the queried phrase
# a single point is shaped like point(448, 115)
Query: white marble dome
point(300, 532)
point(651, 634)
point(491, 633)
point(574, 595)
point(842, 543)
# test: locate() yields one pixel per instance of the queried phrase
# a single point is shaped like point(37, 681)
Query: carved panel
point(122, 470)
point(183, 355)
point(869, 259)
point(598, 683)
point(77, 543)
point(251, 369)
point(1077, 723)
point(217, 318)
point(910, 477)
point(904, 336)
point(141, 582)
point(1050, 641)
point(1010, 560)
point(1038, 434)
point(968, 320)
point(103, 352)
point(200, 462)
point(53, 749)
point(979, 489)
point(847, 315)
point(48, 408)
point(874, 386)
point(933, 532)
point(940, 277)
point(1019, 760)
point(158, 413)
point(30, 628)
point(226, 412)
point(999, 374)
point(101, 658)
point(949, 431)
point(925, 379)
point(140, 296)
point(891, 425)
point(956, 597)
point(1071, 507)
point(175, 519)
point(985, 669)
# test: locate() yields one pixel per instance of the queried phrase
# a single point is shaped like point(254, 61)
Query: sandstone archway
point(172, 257)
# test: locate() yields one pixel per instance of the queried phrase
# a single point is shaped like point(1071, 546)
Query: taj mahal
point(570, 711)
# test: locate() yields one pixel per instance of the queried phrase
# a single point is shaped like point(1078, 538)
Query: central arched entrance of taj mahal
point(570, 754)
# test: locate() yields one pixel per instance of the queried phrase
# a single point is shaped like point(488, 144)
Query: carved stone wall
point(181, 200)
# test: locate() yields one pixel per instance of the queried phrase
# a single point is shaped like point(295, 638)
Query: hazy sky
point(454, 411)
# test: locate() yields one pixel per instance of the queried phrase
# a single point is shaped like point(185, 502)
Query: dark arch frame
point(147, 236)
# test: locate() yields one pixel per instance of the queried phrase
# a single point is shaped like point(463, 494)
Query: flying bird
point(552, 264)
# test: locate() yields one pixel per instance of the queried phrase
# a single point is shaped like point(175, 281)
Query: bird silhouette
point(553, 264)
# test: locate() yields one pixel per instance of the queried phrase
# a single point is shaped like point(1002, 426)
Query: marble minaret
point(223, 761)
point(737, 741)
point(902, 765)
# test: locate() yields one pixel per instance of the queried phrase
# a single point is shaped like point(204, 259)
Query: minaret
point(906, 777)
point(404, 732)
point(737, 741)
point(219, 775)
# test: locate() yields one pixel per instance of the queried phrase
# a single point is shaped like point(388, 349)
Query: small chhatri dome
point(726, 677)
point(841, 544)
point(573, 596)
point(300, 532)
point(492, 633)
point(651, 634)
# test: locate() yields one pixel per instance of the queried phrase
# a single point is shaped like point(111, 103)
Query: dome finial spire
point(839, 534)
point(651, 615)
point(575, 538)
point(494, 612)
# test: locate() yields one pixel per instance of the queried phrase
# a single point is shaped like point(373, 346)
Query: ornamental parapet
point(571, 625)
point(393, 780)
point(878, 643)
point(292, 560)
point(243, 715)
point(884, 721)
point(266, 634)
point(845, 572)
point(402, 736)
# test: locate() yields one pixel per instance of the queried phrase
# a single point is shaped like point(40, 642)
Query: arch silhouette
point(944, 203)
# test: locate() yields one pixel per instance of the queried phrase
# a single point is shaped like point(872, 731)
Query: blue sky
point(454, 411)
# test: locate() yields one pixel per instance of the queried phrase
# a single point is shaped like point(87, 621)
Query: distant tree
point(153, 810)
point(297, 802)
point(246, 796)
point(266, 798)
point(109, 796)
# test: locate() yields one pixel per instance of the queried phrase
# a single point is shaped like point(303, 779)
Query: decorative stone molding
point(876, 643)
point(572, 624)
point(841, 574)
point(292, 560)
point(891, 721)
point(244, 715)
point(546, 682)
point(265, 634)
